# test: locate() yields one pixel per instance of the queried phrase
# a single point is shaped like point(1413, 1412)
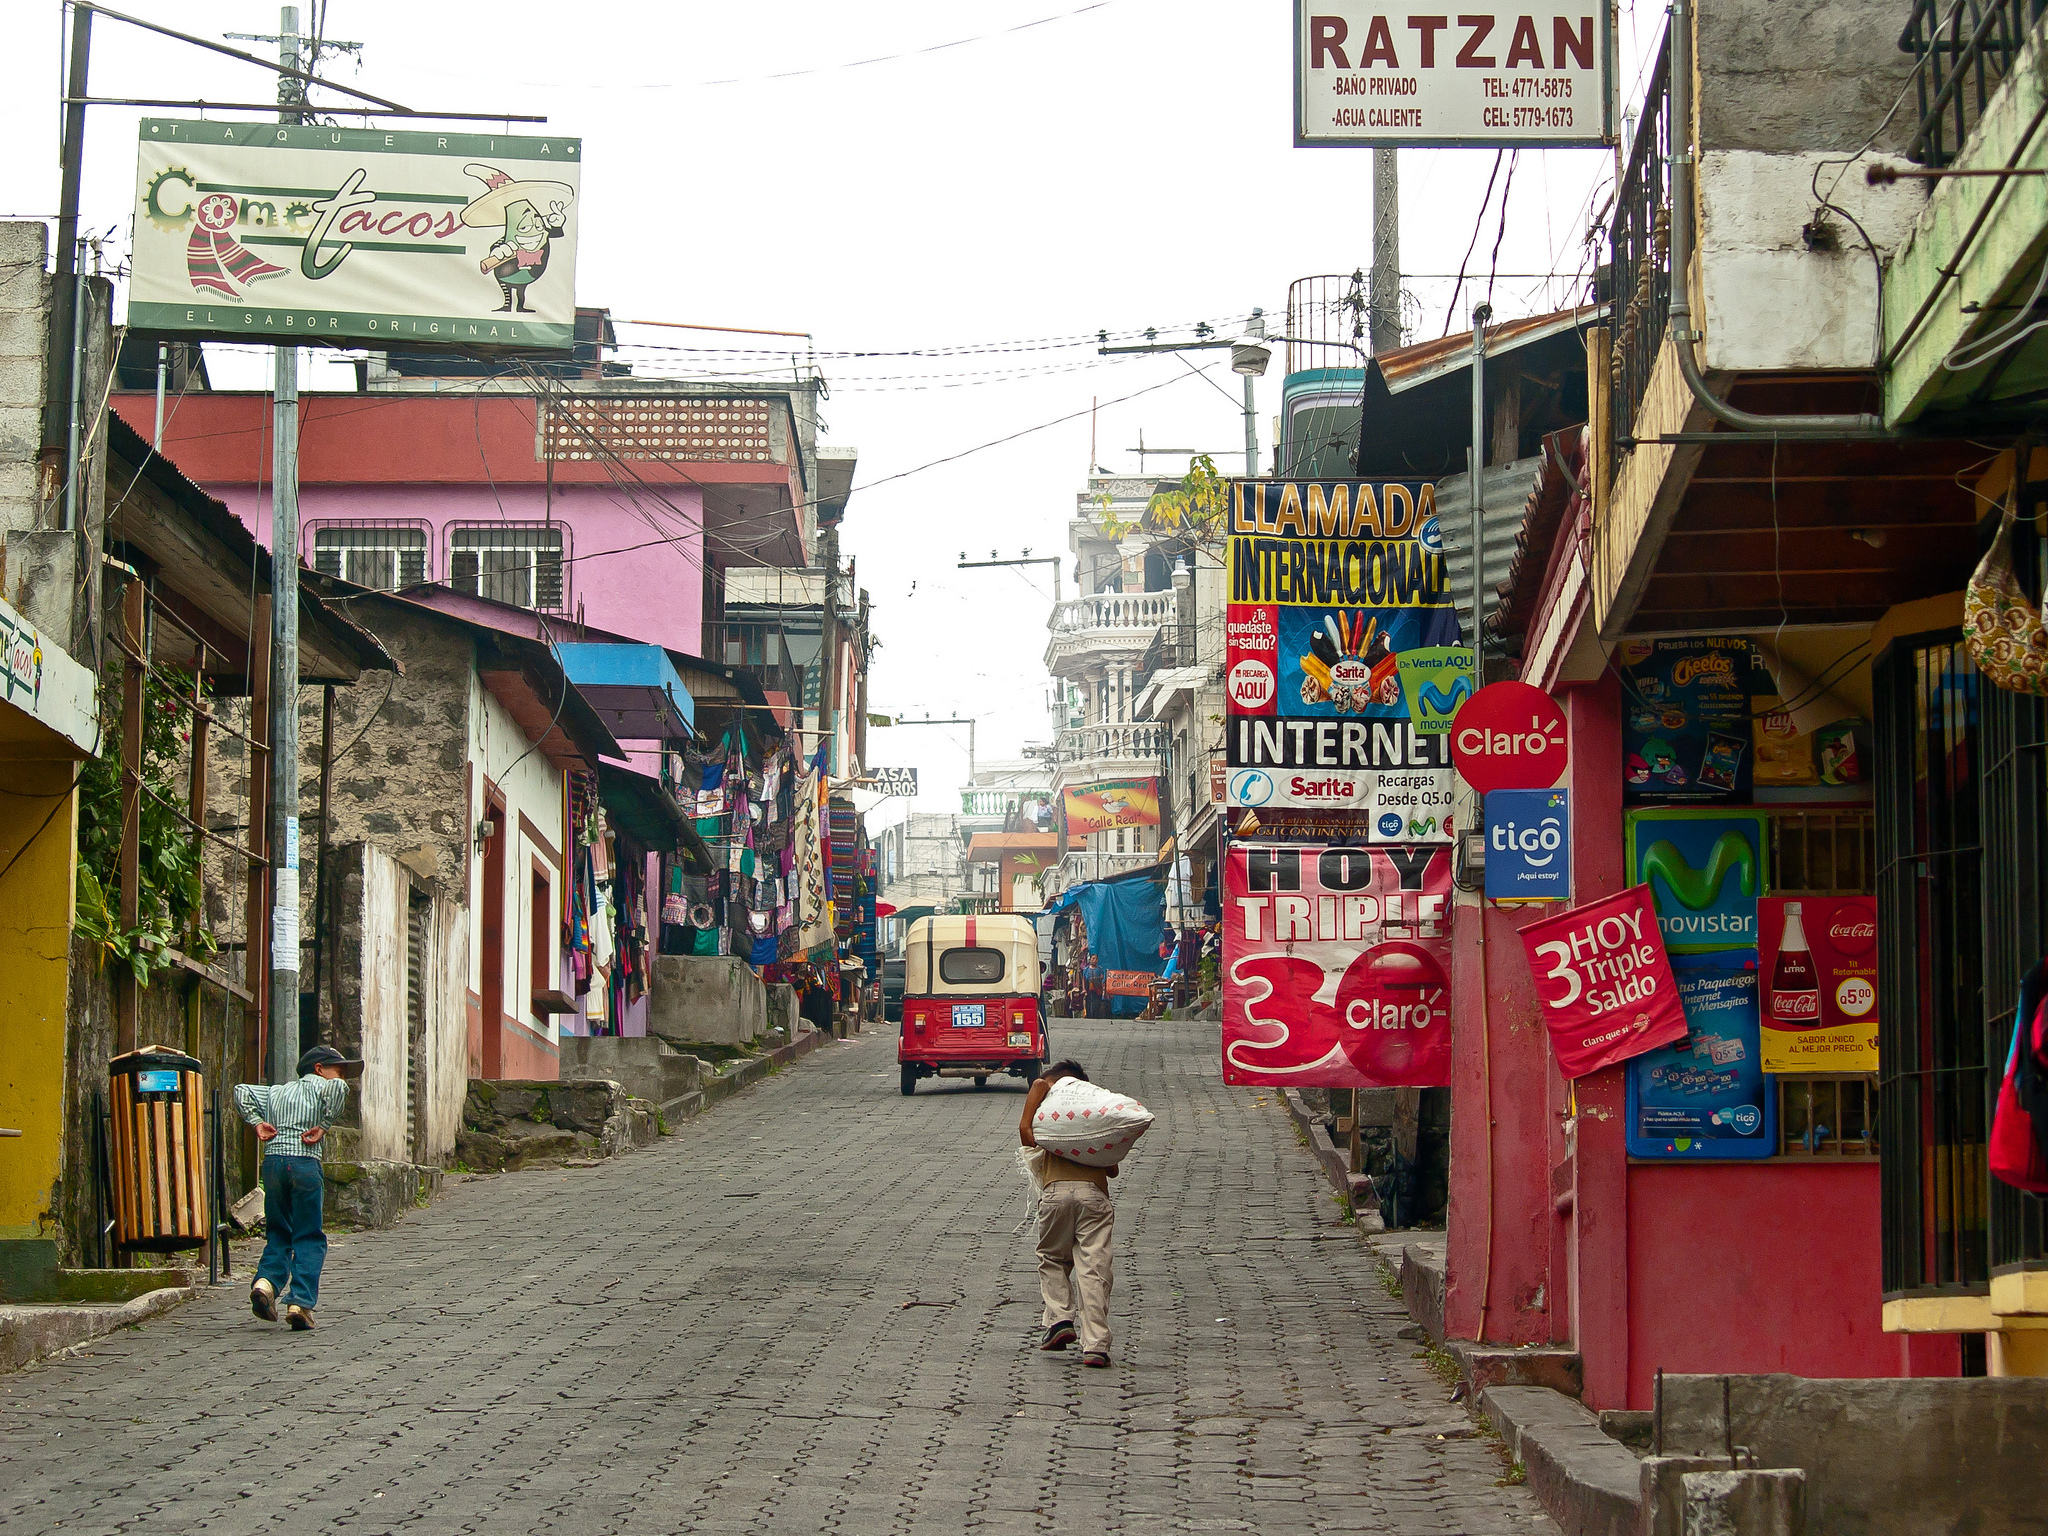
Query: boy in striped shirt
point(291, 1121)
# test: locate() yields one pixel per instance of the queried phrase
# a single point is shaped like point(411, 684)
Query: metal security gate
point(1932, 1082)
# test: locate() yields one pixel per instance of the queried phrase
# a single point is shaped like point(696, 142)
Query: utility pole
point(1055, 561)
point(1480, 316)
point(284, 652)
point(1385, 300)
point(62, 373)
point(1248, 356)
point(828, 633)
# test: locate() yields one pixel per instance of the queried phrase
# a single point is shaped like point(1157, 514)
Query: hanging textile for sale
point(811, 871)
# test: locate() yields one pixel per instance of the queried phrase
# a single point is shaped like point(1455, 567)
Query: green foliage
point(171, 898)
point(1195, 511)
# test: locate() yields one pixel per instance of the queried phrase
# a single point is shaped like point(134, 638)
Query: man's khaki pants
point(1074, 1219)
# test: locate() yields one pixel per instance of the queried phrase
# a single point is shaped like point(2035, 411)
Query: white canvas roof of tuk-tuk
point(1010, 932)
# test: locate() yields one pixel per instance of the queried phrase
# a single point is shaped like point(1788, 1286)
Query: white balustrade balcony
point(1136, 741)
point(1109, 624)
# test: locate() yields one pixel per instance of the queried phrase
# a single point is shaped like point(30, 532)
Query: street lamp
point(1249, 355)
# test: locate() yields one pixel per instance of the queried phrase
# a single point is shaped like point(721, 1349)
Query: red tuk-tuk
point(971, 1000)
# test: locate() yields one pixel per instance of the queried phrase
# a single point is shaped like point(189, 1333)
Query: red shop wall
point(1755, 1267)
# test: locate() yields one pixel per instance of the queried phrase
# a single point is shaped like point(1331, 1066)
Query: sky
point(1003, 180)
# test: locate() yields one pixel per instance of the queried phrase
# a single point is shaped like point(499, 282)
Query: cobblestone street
point(804, 1312)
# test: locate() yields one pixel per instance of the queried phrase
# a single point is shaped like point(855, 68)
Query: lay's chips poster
point(1331, 583)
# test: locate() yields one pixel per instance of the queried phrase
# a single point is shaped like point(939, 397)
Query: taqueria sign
point(281, 233)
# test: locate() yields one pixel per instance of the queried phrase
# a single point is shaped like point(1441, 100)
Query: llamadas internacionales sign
point(279, 233)
point(1531, 72)
point(1332, 585)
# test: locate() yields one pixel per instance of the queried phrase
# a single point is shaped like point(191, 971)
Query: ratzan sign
point(280, 233)
point(1368, 72)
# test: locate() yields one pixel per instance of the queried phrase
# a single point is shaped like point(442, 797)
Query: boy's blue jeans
point(295, 1241)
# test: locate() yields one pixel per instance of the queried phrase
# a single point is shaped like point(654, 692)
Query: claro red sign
point(1336, 965)
point(1509, 736)
point(1605, 981)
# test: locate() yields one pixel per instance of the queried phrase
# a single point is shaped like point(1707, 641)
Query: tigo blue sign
point(1528, 845)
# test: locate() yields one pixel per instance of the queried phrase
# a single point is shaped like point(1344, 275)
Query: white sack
point(1087, 1124)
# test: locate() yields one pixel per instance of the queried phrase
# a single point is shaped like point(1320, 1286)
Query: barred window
point(509, 563)
point(385, 556)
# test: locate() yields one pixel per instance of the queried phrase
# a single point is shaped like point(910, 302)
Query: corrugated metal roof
point(1405, 367)
point(1507, 493)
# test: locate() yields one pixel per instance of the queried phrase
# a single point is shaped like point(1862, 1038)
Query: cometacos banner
point(281, 233)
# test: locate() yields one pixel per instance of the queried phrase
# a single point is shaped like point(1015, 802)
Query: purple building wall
point(633, 568)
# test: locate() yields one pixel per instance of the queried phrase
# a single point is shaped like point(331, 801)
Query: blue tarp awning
point(635, 689)
point(1126, 921)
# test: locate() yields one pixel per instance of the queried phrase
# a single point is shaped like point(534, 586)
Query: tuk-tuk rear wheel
point(909, 1081)
point(980, 1083)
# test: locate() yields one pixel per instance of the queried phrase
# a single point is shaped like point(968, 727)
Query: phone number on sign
point(1530, 117)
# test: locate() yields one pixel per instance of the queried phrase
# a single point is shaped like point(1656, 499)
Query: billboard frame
point(1380, 141)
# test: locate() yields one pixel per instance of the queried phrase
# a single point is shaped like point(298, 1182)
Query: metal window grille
point(1965, 48)
point(385, 556)
point(1821, 1115)
point(1823, 853)
point(1932, 1084)
point(1639, 242)
point(509, 563)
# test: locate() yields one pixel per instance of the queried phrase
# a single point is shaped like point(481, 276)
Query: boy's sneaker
point(263, 1301)
point(301, 1320)
point(1095, 1360)
point(1059, 1336)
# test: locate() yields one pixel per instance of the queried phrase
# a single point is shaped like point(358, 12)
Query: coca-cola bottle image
point(1795, 980)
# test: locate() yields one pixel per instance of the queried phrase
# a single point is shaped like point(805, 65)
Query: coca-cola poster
point(1819, 969)
point(1336, 965)
point(1605, 982)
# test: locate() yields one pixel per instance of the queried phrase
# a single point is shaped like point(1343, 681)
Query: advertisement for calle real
point(1331, 584)
point(1336, 966)
point(279, 233)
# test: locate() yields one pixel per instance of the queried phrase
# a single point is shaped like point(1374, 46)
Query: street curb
point(1587, 1481)
point(30, 1331)
point(753, 1069)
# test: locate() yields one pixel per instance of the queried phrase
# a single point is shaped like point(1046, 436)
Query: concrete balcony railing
point(1115, 622)
point(1089, 743)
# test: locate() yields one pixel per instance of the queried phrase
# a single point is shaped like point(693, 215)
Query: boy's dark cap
point(328, 1056)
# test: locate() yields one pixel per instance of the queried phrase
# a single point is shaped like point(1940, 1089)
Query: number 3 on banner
point(1561, 972)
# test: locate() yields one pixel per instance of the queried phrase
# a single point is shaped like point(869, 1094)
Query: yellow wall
point(39, 809)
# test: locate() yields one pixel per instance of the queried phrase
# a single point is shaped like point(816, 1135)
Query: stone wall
point(1948, 1456)
point(1784, 76)
point(401, 743)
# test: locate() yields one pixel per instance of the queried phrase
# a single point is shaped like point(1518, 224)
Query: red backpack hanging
point(2019, 1126)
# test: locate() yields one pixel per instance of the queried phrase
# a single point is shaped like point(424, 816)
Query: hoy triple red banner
point(1605, 981)
point(1336, 966)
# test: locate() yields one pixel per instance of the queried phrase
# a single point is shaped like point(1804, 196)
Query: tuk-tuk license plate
point(970, 1015)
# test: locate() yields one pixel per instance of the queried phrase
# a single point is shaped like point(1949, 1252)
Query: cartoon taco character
point(519, 256)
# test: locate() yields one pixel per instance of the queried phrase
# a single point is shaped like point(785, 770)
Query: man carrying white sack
point(1075, 1215)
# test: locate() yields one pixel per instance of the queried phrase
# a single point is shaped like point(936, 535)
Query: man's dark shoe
point(301, 1320)
point(263, 1301)
point(1058, 1336)
point(1095, 1360)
